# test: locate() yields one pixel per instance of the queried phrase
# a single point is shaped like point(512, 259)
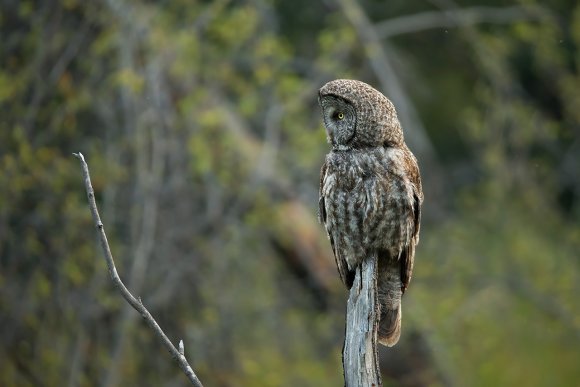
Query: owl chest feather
point(368, 202)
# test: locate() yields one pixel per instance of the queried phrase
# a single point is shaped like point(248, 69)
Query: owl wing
point(408, 254)
point(345, 275)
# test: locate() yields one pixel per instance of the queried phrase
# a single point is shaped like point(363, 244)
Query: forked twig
point(178, 355)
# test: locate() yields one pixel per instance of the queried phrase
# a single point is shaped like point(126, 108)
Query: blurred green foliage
point(200, 125)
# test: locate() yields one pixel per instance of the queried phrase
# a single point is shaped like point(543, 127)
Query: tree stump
point(359, 355)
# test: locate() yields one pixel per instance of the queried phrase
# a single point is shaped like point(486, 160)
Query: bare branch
point(135, 303)
point(455, 18)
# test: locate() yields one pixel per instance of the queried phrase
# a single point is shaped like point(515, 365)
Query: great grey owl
point(370, 194)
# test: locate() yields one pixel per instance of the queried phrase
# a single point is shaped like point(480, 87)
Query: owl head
point(358, 116)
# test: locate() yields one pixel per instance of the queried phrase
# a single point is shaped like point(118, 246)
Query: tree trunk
point(359, 355)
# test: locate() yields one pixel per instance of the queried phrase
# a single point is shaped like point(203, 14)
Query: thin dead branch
point(178, 355)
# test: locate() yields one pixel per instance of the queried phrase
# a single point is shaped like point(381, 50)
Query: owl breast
point(368, 202)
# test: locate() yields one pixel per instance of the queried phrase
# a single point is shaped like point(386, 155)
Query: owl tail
point(390, 326)
point(389, 298)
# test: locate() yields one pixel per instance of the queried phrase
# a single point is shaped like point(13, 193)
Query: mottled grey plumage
point(370, 193)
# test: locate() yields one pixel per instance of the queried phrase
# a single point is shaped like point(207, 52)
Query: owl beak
point(329, 130)
point(329, 134)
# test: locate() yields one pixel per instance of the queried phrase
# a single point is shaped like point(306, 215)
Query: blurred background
point(200, 125)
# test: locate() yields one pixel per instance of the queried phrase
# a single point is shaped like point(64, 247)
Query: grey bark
point(359, 355)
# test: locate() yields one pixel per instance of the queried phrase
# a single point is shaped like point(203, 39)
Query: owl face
point(340, 121)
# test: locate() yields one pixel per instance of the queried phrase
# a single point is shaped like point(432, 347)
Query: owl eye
point(340, 116)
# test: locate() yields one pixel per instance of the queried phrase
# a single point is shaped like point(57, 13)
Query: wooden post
point(359, 355)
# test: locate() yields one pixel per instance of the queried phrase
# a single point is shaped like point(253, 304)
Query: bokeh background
point(200, 124)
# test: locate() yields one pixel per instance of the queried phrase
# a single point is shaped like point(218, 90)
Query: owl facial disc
point(339, 120)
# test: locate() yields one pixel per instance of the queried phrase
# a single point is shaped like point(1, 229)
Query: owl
point(370, 194)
